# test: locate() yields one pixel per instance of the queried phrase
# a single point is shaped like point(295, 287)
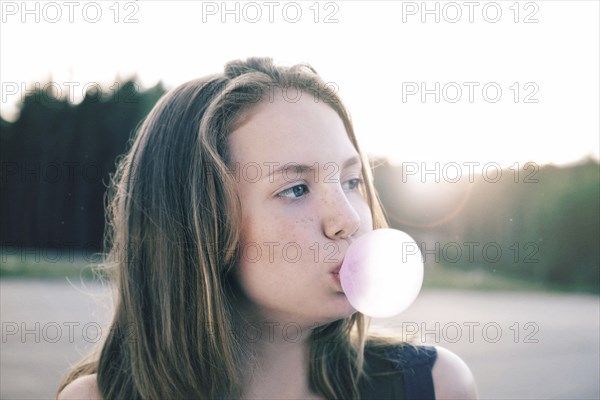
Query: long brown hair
point(173, 235)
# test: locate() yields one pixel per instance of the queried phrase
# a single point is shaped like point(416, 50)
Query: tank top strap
point(398, 372)
point(416, 363)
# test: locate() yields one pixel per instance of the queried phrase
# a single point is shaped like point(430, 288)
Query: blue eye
point(352, 183)
point(294, 192)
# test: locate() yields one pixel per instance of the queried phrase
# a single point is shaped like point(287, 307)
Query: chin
point(341, 311)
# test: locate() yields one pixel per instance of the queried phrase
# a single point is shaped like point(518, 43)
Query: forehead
point(281, 131)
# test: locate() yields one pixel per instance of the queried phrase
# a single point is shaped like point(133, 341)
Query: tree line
point(536, 222)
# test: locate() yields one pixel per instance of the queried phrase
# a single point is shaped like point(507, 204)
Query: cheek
point(262, 239)
point(265, 227)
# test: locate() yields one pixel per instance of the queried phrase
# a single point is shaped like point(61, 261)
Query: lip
point(336, 270)
point(335, 274)
point(336, 277)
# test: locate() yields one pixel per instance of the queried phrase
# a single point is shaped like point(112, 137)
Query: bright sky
point(380, 55)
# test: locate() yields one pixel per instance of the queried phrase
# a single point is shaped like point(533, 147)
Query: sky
point(468, 83)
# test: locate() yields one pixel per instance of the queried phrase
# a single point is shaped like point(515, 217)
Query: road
point(518, 345)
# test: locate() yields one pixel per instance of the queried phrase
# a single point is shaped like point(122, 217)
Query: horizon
point(107, 91)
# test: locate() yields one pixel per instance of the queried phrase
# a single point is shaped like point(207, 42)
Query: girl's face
point(298, 177)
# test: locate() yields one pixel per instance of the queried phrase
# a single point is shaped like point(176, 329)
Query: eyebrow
point(303, 168)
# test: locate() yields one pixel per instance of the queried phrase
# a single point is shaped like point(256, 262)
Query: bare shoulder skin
point(452, 378)
point(84, 387)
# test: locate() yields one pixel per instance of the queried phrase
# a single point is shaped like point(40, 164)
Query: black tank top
point(399, 372)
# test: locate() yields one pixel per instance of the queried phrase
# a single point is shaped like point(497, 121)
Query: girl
point(229, 219)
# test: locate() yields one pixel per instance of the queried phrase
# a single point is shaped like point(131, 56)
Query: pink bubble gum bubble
point(382, 273)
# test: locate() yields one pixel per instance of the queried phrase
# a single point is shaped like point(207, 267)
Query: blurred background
point(482, 125)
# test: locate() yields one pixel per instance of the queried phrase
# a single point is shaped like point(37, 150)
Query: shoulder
point(452, 378)
point(84, 387)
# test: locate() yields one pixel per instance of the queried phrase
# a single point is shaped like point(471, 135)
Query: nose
point(340, 219)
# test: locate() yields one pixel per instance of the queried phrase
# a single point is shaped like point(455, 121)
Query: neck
point(278, 362)
point(279, 369)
